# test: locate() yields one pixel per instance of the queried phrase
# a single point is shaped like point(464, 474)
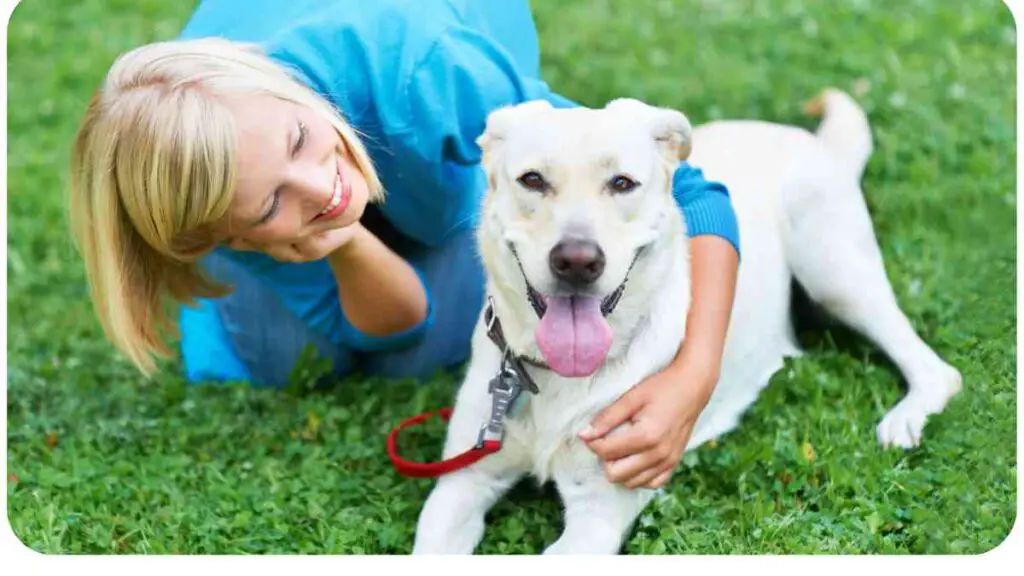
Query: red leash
point(435, 469)
point(505, 389)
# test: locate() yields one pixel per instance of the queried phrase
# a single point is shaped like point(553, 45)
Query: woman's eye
point(301, 139)
point(623, 184)
point(270, 213)
point(533, 181)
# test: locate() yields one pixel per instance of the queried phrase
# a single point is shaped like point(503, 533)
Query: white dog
point(579, 202)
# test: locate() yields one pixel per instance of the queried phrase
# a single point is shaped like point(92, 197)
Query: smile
point(340, 197)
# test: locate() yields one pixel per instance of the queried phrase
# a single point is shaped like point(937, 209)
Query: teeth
point(335, 198)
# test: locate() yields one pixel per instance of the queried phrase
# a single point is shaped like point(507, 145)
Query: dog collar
point(497, 335)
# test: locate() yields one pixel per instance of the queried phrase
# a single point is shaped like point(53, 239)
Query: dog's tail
point(844, 128)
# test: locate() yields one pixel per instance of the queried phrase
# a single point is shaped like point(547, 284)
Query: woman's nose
point(313, 185)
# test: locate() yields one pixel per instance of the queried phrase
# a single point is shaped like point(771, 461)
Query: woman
point(249, 179)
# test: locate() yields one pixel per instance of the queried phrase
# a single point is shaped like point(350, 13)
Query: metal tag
point(518, 403)
point(506, 390)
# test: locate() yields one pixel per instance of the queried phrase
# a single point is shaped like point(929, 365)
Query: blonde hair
point(153, 170)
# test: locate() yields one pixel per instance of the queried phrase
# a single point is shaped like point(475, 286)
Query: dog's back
point(771, 171)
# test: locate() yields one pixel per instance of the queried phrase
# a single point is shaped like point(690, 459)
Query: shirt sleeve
point(465, 76)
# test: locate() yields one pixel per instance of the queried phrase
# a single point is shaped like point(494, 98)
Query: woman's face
point(295, 176)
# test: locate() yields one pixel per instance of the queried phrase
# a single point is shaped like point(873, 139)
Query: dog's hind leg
point(831, 247)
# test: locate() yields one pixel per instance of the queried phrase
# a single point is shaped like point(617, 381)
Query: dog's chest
point(544, 433)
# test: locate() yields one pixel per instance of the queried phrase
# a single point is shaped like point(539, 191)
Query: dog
point(586, 259)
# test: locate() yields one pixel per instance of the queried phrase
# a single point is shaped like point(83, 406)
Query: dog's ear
point(500, 121)
point(673, 133)
point(670, 128)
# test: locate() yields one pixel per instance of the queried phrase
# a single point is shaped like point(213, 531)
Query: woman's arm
point(383, 302)
point(714, 265)
point(380, 293)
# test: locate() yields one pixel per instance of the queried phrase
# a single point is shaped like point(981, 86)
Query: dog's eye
point(533, 181)
point(623, 184)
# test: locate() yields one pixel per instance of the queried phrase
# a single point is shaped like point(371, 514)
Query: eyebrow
point(609, 162)
point(540, 164)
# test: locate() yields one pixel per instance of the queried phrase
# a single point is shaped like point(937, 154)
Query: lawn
point(101, 461)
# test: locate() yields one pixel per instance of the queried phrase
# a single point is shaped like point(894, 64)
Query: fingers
point(322, 244)
point(242, 245)
point(313, 247)
point(284, 253)
point(638, 438)
point(662, 479)
point(613, 416)
point(644, 478)
point(641, 467)
point(279, 252)
point(624, 470)
point(648, 470)
point(642, 455)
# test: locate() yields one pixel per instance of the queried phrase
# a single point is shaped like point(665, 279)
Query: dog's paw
point(903, 425)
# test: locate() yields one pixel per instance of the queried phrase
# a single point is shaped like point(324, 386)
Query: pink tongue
point(574, 336)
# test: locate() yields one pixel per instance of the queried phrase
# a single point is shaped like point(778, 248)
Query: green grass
point(100, 461)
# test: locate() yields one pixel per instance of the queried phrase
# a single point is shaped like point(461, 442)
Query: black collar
point(497, 335)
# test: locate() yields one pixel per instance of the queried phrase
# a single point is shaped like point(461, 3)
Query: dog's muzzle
point(580, 264)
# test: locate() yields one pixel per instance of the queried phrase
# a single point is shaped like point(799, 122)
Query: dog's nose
point(578, 262)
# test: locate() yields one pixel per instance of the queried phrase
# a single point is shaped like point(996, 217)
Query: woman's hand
point(313, 247)
point(662, 410)
point(379, 292)
point(664, 407)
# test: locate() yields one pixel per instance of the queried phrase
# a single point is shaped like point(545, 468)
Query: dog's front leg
point(452, 520)
point(598, 514)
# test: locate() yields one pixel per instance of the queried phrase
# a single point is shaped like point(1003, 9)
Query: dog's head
point(575, 197)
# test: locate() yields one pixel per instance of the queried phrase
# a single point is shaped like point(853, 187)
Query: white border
point(19, 560)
